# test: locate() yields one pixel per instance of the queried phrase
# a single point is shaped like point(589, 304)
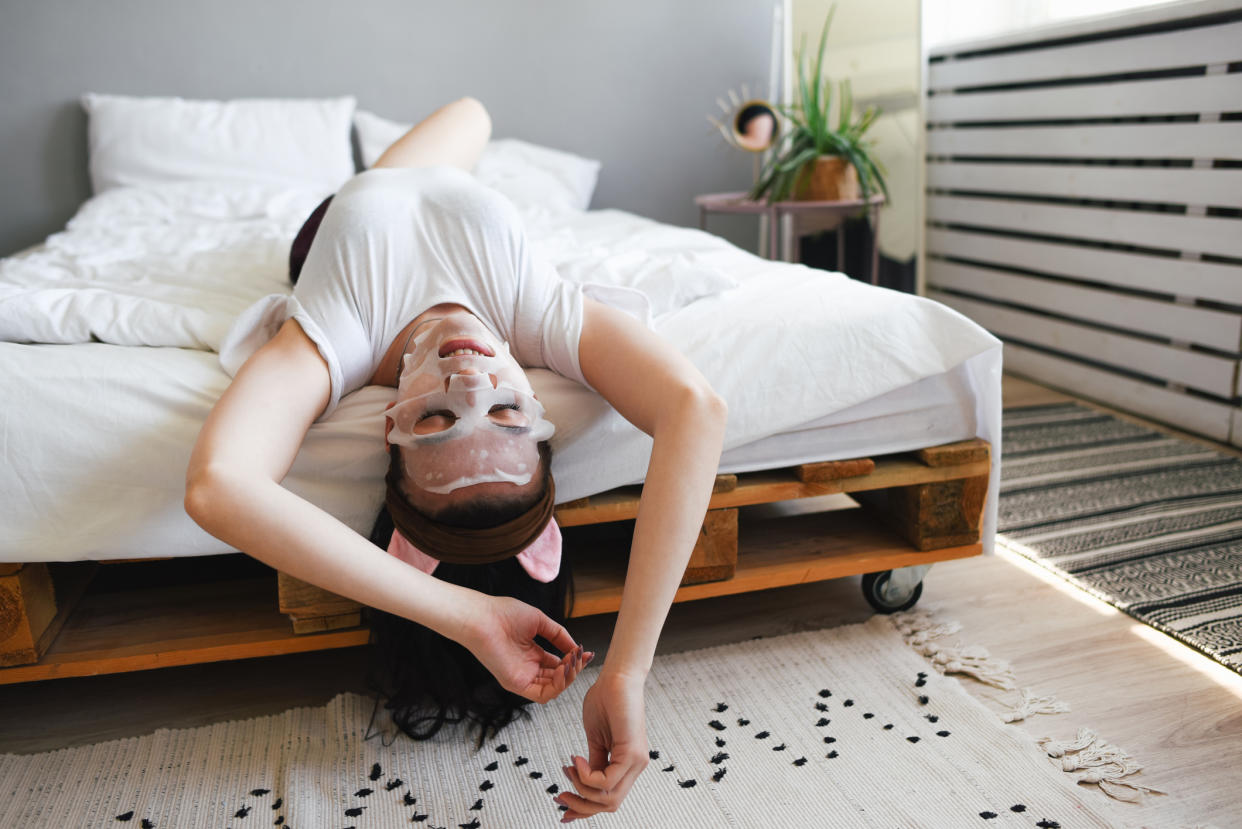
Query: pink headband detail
point(541, 560)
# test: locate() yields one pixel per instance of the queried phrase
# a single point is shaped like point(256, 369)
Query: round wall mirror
point(755, 126)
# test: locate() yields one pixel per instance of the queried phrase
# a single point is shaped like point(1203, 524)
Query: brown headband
point(461, 545)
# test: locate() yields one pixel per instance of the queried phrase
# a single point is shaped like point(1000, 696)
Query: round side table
point(796, 218)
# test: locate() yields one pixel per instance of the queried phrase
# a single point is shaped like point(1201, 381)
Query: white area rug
point(853, 726)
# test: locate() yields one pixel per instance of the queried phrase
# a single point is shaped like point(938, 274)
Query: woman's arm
point(233, 491)
point(456, 134)
point(661, 392)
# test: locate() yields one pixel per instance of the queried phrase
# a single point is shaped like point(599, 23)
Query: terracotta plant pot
point(828, 178)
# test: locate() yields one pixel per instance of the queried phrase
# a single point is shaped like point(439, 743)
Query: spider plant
point(811, 134)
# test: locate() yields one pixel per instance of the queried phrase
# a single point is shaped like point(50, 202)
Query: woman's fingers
point(597, 800)
point(602, 781)
point(554, 677)
point(555, 633)
point(585, 793)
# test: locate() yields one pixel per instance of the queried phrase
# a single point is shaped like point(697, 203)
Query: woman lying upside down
point(419, 278)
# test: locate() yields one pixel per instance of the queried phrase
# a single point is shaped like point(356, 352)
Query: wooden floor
point(1175, 711)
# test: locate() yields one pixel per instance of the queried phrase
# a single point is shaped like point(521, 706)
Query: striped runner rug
point(1148, 522)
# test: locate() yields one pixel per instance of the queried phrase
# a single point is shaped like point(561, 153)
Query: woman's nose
point(472, 372)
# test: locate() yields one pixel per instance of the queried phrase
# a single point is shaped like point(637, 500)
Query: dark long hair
point(425, 679)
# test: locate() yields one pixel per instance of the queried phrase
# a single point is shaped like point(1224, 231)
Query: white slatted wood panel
point(1175, 96)
point(1136, 53)
point(1213, 188)
point(1208, 280)
point(1220, 330)
point(1193, 414)
point(1168, 231)
point(1123, 141)
point(1213, 375)
point(1085, 205)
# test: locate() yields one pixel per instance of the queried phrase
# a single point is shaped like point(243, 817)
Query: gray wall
point(627, 83)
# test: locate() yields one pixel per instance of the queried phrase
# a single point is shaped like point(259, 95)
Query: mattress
point(96, 436)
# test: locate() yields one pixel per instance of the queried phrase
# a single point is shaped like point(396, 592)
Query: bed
point(111, 331)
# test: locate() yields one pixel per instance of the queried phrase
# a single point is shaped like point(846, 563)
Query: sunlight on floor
point(1077, 594)
point(1213, 670)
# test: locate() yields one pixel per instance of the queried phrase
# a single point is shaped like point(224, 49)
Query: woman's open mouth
point(459, 347)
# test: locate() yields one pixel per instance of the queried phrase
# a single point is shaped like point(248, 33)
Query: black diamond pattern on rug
point(1148, 522)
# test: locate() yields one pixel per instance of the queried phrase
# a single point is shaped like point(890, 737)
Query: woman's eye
point(507, 414)
point(431, 422)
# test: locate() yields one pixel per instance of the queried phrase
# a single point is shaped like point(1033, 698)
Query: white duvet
point(95, 438)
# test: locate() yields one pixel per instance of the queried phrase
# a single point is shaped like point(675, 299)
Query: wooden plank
point(1205, 372)
point(935, 516)
point(1205, 280)
point(774, 553)
point(833, 470)
point(9, 568)
point(1211, 187)
point(725, 483)
point(1222, 140)
point(318, 624)
point(1174, 232)
point(1194, 414)
point(776, 485)
point(27, 608)
point(1176, 96)
point(952, 454)
point(313, 609)
point(1117, 24)
point(715, 552)
point(134, 630)
point(1203, 326)
point(1126, 53)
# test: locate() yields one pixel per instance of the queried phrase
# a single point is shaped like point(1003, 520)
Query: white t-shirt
point(397, 241)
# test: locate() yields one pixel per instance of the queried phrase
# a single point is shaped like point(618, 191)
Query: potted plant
point(813, 160)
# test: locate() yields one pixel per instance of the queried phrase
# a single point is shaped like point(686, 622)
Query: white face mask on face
point(460, 429)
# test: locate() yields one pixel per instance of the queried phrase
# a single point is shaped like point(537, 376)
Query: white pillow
point(529, 174)
point(135, 142)
point(533, 175)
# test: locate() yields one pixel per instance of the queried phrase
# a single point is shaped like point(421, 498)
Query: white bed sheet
point(96, 436)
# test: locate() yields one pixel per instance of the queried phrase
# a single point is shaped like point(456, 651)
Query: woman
point(464, 431)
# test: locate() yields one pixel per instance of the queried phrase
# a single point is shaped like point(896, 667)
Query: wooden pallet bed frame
point(917, 508)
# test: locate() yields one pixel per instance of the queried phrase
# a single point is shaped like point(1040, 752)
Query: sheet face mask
point(480, 445)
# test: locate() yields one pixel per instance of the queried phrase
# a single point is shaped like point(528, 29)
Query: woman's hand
point(615, 720)
point(504, 641)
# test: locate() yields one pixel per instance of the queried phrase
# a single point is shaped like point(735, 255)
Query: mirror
point(755, 126)
point(752, 124)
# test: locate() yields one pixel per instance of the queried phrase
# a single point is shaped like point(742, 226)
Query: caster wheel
point(873, 588)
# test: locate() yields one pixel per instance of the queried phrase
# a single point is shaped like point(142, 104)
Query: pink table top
point(738, 203)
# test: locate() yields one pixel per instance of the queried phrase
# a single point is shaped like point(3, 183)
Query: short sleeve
point(550, 317)
point(560, 330)
point(258, 324)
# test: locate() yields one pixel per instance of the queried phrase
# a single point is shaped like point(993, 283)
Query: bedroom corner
point(972, 518)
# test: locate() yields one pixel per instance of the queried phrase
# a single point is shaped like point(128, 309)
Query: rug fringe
point(919, 628)
point(1032, 704)
point(1104, 764)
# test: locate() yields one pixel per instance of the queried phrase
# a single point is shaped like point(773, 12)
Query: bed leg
point(313, 609)
point(715, 553)
point(937, 515)
point(27, 608)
